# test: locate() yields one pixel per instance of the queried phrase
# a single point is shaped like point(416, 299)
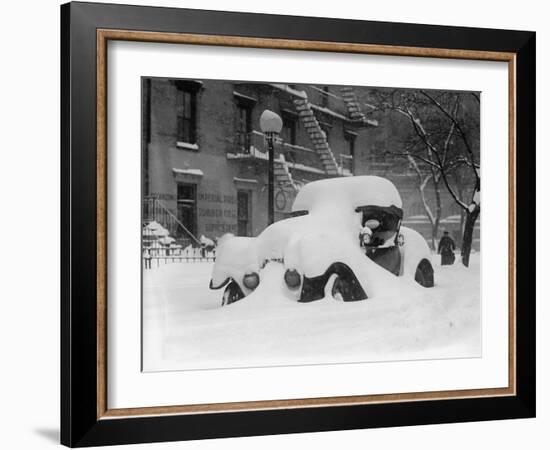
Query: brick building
point(205, 162)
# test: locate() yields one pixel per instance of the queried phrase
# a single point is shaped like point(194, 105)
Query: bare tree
point(427, 180)
point(469, 157)
point(442, 144)
point(433, 214)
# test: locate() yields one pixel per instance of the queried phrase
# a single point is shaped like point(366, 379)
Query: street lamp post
point(271, 125)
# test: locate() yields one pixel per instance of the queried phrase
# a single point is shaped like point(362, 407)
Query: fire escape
point(317, 136)
point(318, 159)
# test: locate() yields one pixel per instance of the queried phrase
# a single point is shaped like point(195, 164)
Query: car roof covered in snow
point(356, 191)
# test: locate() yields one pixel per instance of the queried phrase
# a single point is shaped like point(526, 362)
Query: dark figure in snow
point(446, 249)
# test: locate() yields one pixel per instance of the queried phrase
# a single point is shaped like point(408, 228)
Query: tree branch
point(458, 127)
point(432, 150)
point(407, 154)
point(450, 133)
point(421, 186)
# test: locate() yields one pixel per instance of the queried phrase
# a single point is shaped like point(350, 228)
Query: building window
point(288, 134)
point(326, 128)
point(350, 143)
point(186, 112)
point(350, 150)
point(324, 97)
point(243, 126)
point(187, 210)
point(243, 213)
point(243, 121)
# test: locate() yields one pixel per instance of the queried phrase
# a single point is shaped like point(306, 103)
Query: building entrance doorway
point(187, 210)
point(243, 213)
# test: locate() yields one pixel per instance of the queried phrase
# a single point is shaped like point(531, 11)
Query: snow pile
point(155, 229)
point(153, 226)
point(206, 241)
point(167, 240)
point(185, 328)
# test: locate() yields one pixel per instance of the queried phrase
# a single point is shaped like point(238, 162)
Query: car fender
point(314, 254)
point(414, 249)
point(235, 256)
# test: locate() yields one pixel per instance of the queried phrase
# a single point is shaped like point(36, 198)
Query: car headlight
point(251, 280)
point(293, 279)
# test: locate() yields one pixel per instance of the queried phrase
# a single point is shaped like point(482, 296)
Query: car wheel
point(340, 289)
point(424, 275)
point(334, 288)
point(233, 293)
point(319, 287)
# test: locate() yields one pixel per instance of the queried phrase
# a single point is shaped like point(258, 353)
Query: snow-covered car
point(344, 239)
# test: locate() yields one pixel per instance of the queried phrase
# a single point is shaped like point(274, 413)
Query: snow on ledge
point(255, 153)
point(245, 180)
point(288, 89)
point(245, 97)
point(328, 111)
point(305, 168)
point(187, 145)
point(195, 172)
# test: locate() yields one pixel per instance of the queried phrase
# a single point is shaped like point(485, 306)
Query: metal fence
point(157, 256)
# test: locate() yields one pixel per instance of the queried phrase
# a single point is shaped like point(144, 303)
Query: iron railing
point(254, 144)
point(179, 246)
point(160, 256)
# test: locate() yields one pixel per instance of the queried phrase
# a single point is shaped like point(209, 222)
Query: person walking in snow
point(446, 249)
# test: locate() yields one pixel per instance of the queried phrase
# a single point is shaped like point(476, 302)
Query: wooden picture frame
point(85, 417)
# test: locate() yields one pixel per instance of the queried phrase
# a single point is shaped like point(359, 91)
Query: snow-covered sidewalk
point(185, 327)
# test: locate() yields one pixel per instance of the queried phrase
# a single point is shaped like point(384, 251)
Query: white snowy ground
point(184, 326)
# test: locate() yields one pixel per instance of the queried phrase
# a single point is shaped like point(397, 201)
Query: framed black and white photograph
point(292, 224)
point(373, 191)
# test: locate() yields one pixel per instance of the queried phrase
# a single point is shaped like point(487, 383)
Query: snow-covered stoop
point(283, 175)
point(317, 136)
point(352, 105)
